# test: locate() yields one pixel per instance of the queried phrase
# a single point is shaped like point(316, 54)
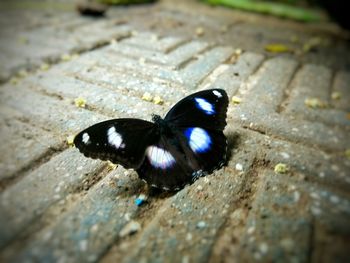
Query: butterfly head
point(163, 126)
point(156, 119)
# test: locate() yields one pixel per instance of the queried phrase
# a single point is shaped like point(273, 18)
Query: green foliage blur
point(294, 9)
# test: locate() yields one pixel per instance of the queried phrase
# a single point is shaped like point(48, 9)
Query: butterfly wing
point(121, 141)
point(200, 119)
point(196, 145)
point(181, 159)
point(165, 165)
point(206, 109)
point(169, 153)
point(207, 147)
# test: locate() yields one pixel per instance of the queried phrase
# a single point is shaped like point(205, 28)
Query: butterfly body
point(168, 152)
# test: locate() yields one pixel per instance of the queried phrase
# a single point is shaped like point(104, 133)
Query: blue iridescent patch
point(205, 106)
point(198, 139)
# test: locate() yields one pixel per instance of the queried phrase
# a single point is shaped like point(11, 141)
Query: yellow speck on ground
point(294, 39)
point(142, 61)
point(80, 102)
point(277, 48)
point(336, 95)
point(154, 37)
point(23, 40)
point(70, 140)
point(199, 31)
point(236, 100)
point(22, 73)
point(44, 66)
point(281, 168)
point(347, 153)
point(158, 100)
point(14, 80)
point(315, 103)
point(147, 96)
point(238, 51)
point(68, 57)
point(314, 43)
point(111, 166)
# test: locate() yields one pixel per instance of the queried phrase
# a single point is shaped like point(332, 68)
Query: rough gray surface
point(58, 206)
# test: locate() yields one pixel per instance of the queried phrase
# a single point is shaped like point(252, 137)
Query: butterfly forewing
point(121, 141)
point(205, 109)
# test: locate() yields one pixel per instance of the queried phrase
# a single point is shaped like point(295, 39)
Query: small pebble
point(199, 188)
point(334, 199)
point(335, 95)
point(44, 66)
point(199, 31)
point(263, 247)
point(287, 244)
point(201, 224)
point(80, 102)
point(315, 103)
point(83, 245)
point(347, 153)
point(236, 100)
point(316, 211)
point(147, 96)
point(315, 195)
point(285, 155)
point(142, 61)
point(296, 196)
point(130, 228)
point(281, 168)
point(239, 167)
point(158, 100)
point(70, 140)
point(251, 230)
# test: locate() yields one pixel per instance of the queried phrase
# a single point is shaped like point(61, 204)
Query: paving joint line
point(188, 61)
point(287, 91)
point(40, 223)
point(275, 136)
point(33, 165)
point(244, 200)
point(33, 69)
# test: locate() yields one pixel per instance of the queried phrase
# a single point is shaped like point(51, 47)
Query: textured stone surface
point(58, 206)
point(26, 200)
point(28, 144)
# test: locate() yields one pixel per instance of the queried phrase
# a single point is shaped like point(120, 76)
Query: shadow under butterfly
point(167, 153)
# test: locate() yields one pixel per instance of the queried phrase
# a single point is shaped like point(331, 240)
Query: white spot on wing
point(217, 93)
point(159, 157)
point(199, 139)
point(86, 138)
point(115, 138)
point(205, 106)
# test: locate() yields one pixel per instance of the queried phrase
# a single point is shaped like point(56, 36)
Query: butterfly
point(169, 152)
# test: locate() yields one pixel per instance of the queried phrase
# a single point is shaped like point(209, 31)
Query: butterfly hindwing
point(165, 165)
point(207, 147)
point(206, 109)
point(174, 162)
point(121, 141)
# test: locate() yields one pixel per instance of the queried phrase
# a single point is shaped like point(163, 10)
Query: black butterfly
point(170, 152)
